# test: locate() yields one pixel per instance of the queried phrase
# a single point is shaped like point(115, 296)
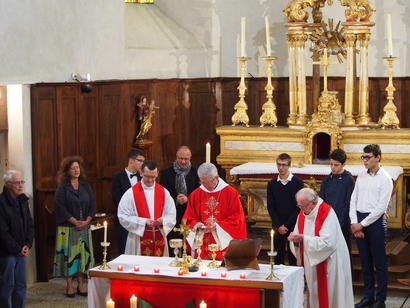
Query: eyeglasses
point(18, 182)
point(366, 157)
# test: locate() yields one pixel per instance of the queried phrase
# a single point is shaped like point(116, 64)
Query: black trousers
point(372, 250)
point(283, 249)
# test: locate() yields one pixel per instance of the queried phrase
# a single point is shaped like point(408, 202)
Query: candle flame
point(271, 232)
point(105, 223)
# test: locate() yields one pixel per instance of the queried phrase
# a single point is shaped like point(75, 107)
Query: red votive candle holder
point(119, 268)
point(136, 268)
point(242, 276)
point(180, 273)
point(156, 270)
point(223, 275)
point(203, 274)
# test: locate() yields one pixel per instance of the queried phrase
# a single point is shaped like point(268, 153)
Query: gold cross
point(212, 204)
point(324, 62)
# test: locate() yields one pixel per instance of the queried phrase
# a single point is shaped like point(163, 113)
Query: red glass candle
point(223, 275)
point(119, 268)
point(156, 270)
point(136, 268)
point(242, 276)
point(180, 273)
point(203, 274)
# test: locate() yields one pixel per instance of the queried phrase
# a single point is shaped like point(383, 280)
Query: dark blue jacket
point(336, 190)
point(16, 224)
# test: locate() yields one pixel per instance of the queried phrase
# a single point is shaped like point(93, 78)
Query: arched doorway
point(321, 146)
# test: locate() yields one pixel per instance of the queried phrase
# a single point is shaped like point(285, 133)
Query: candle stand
point(390, 118)
point(240, 116)
point(104, 265)
point(272, 264)
point(268, 116)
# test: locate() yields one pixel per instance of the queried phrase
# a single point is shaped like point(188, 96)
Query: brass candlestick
point(272, 264)
point(104, 265)
point(390, 118)
point(213, 248)
point(268, 116)
point(240, 116)
point(199, 240)
point(175, 243)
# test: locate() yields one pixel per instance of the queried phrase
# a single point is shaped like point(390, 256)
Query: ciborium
point(213, 248)
point(199, 240)
point(175, 243)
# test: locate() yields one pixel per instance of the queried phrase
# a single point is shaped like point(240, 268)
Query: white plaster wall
point(47, 40)
point(19, 148)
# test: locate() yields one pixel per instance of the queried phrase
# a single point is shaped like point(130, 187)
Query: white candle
point(133, 301)
point(389, 35)
point(243, 22)
point(202, 304)
point(271, 241)
point(268, 49)
point(208, 152)
point(105, 231)
point(110, 304)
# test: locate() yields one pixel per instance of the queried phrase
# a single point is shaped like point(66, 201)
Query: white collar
point(145, 187)
point(289, 178)
point(221, 185)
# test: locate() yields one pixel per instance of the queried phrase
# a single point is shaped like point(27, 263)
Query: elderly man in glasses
point(369, 201)
point(16, 239)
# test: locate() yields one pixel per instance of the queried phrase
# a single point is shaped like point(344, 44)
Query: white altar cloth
point(291, 277)
point(271, 168)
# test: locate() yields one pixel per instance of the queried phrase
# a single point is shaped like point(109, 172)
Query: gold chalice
point(175, 243)
point(213, 248)
point(199, 240)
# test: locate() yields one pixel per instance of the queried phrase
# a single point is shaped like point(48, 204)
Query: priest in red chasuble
point(147, 212)
point(214, 208)
point(323, 252)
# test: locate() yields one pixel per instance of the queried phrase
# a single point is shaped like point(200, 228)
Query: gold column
point(349, 86)
point(363, 118)
point(301, 78)
point(292, 81)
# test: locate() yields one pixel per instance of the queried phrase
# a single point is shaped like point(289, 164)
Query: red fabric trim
point(165, 295)
point(152, 243)
point(321, 268)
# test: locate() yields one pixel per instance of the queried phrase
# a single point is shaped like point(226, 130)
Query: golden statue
point(145, 113)
point(294, 10)
point(358, 9)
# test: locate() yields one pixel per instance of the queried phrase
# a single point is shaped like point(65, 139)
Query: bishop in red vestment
point(215, 209)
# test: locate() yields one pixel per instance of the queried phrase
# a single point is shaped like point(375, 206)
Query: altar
point(161, 285)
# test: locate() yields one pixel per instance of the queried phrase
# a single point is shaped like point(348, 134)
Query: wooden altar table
point(168, 286)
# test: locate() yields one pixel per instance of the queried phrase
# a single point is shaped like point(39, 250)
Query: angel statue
point(145, 112)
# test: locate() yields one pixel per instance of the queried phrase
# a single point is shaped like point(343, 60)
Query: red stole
point(321, 268)
point(152, 242)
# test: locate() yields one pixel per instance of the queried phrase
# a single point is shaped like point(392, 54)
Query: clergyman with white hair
point(16, 240)
point(323, 252)
point(214, 210)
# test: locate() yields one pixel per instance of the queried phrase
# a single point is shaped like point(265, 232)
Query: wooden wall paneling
point(67, 118)
point(3, 108)
point(203, 107)
point(230, 97)
point(281, 99)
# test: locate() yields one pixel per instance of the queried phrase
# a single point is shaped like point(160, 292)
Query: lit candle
point(268, 49)
point(136, 268)
point(105, 231)
point(202, 304)
point(242, 276)
point(223, 274)
point(180, 273)
point(243, 22)
point(271, 241)
point(208, 152)
point(156, 270)
point(389, 35)
point(110, 304)
point(133, 301)
point(119, 268)
point(203, 274)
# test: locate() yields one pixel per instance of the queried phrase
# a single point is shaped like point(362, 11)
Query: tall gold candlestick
point(390, 118)
point(268, 116)
point(240, 116)
point(104, 265)
point(272, 264)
